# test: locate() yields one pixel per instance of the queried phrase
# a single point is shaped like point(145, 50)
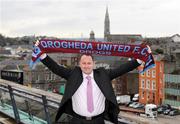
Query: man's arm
point(124, 68)
point(54, 67)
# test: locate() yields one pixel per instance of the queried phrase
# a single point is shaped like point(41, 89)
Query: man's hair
point(86, 55)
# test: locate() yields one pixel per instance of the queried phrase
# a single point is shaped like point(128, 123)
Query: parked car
point(141, 106)
point(127, 104)
point(163, 108)
point(138, 105)
point(174, 112)
point(133, 104)
point(166, 112)
point(135, 98)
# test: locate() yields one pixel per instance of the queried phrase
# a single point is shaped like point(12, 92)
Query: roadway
point(161, 119)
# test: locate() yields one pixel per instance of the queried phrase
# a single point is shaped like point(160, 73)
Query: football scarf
point(95, 48)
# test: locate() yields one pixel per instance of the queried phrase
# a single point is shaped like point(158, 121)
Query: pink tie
point(90, 105)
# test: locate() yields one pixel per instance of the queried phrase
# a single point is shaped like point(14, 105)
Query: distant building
point(176, 38)
point(118, 38)
point(151, 84)
point(41, 77)
point(92, 36)
point(177, 57)
point(167, 44)
point(4, 52)
point(12, 75)
point(169, 66)
point(127, 84)
point(172, 90)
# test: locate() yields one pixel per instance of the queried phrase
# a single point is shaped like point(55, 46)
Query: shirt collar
point(85, 75)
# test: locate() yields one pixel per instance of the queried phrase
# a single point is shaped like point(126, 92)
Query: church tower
point(106, 26)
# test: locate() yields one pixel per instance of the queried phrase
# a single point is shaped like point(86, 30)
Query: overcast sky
point(76, 18)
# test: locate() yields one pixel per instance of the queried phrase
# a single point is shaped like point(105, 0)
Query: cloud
point(58, 17)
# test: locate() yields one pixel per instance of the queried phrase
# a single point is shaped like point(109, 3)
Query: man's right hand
point(38, 51)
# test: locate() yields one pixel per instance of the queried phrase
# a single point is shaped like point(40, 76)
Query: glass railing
point(28, 105)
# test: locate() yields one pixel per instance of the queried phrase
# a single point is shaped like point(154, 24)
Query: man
point(89, 95)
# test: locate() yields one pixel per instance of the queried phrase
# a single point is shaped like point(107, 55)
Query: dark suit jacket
point(103, 79)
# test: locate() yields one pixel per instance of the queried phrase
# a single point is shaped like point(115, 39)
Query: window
point(154, 97)
point(153, 73)
point(142, 74)
point(64, 62)
point(161, 80)
point(38, 78)
point(142, 83)
point(148, 73)
point(49, 76)
point(178, 86)
point(148, 96)
point(52, 76)
point(143, 94)
point(148, 84)
point(161, 91)
point(153, 84)
point(161, 67)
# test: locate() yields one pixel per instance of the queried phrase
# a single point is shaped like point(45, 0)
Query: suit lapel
point(105, 87)
point(76, 81)
point(99, 82)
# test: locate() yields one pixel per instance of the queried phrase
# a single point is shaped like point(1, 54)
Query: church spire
point(106, 25)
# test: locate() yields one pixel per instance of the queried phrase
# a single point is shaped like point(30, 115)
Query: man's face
point(86, 64)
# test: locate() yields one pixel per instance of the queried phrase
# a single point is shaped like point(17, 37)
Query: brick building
point(151, 84)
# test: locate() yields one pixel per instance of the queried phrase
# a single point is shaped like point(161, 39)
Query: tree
point(160, 51)
point(2, 40)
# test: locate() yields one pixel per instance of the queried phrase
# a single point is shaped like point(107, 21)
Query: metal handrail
point(47, 99)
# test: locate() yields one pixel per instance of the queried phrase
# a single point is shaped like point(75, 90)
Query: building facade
point(172, 90)
point(151, 84)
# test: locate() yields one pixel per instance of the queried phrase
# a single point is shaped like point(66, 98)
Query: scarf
point(96, 48)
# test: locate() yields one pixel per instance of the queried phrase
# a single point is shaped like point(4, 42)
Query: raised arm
point(54, 67)
point(122, 69)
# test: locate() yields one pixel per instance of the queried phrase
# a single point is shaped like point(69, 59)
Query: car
point(138, 105)
point(163, 108)
point(135, 98)
point(133, 104)
point(160, 110)
point(127, 104)
point(174, 112)
point(166, 112)
point(141, 106)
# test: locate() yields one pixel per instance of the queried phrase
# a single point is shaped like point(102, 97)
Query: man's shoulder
point(99, 69)
point(74, 68)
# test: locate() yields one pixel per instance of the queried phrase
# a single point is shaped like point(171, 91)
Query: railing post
point(1, 99)
point(29, 110)
point(46, 109)
point(16, 114)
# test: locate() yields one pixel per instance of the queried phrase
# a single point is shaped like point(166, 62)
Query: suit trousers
point(98, 120)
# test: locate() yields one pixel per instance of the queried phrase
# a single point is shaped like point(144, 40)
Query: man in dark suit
point(89, 95)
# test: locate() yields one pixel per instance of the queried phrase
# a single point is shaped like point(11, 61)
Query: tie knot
point(88, 78)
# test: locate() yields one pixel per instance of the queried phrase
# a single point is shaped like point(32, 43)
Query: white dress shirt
point(79, 99)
